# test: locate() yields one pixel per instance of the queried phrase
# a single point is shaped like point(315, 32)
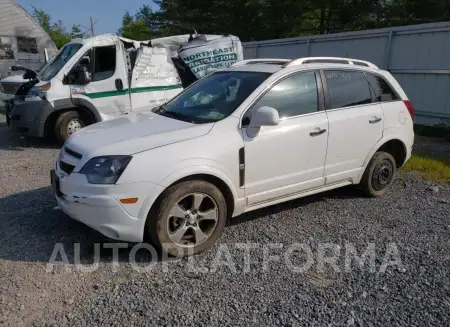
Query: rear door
point(355, 123)
point(108, 90)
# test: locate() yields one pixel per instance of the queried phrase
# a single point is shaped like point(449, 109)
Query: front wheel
point(379, 174)
point(68, 123)
point(188, 219)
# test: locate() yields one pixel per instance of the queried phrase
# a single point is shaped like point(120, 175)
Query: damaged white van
point(107, 76)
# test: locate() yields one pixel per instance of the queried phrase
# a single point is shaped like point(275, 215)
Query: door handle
point(318, 132)
point(375, 120)
point(119, 84)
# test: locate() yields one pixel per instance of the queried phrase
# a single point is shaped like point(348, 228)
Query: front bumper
point(99, 207)
point(28, 116)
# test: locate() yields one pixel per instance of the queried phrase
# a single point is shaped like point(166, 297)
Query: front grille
point(73, 153)
point(10, 88)
point(65, 167)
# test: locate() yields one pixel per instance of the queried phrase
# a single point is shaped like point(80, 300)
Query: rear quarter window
point(382, 90)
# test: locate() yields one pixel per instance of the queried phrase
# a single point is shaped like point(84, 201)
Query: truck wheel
point(379, 174)
point(188, 219)
point(67, 124)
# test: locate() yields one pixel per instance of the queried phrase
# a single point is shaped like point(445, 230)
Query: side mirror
point(85, 61)
point(263, 116)
point(77, 75)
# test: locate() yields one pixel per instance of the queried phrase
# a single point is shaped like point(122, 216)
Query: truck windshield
point(214, 97)
point(49, 70)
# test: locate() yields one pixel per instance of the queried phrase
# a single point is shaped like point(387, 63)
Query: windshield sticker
point(77, 90)
point(215, 115)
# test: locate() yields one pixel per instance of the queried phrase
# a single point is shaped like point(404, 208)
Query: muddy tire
point(188, 218)
point(379, 174)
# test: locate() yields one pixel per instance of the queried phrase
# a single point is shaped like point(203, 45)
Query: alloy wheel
point(192, 220)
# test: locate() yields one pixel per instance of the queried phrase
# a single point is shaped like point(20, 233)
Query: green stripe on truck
point(96, 95)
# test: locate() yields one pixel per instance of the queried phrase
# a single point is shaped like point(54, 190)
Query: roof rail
point(262, 61)
point(330, 60)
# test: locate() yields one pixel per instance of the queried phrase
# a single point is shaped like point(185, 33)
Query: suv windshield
point(49, 70)
point(214, 97)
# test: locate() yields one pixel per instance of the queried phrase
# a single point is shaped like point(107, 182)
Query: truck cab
point(100, 78)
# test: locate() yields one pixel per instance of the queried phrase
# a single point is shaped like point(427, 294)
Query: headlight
point(39, 91)
point(33, 92)
point(105, 170)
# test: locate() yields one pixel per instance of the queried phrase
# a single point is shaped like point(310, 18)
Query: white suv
point(258, 133)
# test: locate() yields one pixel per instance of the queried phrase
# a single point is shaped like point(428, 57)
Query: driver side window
point(293, 96)
point(99, 62)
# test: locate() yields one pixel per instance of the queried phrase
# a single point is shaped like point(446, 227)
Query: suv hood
point(133, 133)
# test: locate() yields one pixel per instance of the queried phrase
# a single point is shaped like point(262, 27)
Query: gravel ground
point(413, 218)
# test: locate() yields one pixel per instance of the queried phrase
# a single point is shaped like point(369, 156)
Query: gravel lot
point(415, 216)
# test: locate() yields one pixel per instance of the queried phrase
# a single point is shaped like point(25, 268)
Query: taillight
point(410, 108)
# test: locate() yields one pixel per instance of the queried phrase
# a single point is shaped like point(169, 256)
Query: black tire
point(379, 174)
point(159, 219)
point(62, 125)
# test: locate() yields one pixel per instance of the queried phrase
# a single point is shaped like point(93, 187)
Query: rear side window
point(293, 96)
point(383, 91)
point(347, 88)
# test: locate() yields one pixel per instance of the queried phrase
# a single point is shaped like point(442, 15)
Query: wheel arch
point(91, 114)
point(217, 178)
point(394, 145)
point(217, 182)
point(397, 149)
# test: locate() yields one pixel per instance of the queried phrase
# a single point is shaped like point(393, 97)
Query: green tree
point(269, 19)
point(57, 32)
point(136, 29)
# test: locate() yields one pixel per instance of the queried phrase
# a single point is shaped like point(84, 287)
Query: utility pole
point(92, 27)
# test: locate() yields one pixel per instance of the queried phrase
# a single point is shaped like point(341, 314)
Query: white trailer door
point(155, 79)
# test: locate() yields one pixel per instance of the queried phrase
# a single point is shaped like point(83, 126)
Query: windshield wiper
point(162, 110)
point(159, 109)
point(174, 115)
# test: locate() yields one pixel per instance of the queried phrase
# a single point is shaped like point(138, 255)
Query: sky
point(106, 13)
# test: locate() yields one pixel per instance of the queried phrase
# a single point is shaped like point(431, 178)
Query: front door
point(356, 124)
point(290, 157)
point(108, 89)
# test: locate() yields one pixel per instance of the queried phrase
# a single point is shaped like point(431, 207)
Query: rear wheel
point(379, 174)
point(68, 123)
point(188, 219)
